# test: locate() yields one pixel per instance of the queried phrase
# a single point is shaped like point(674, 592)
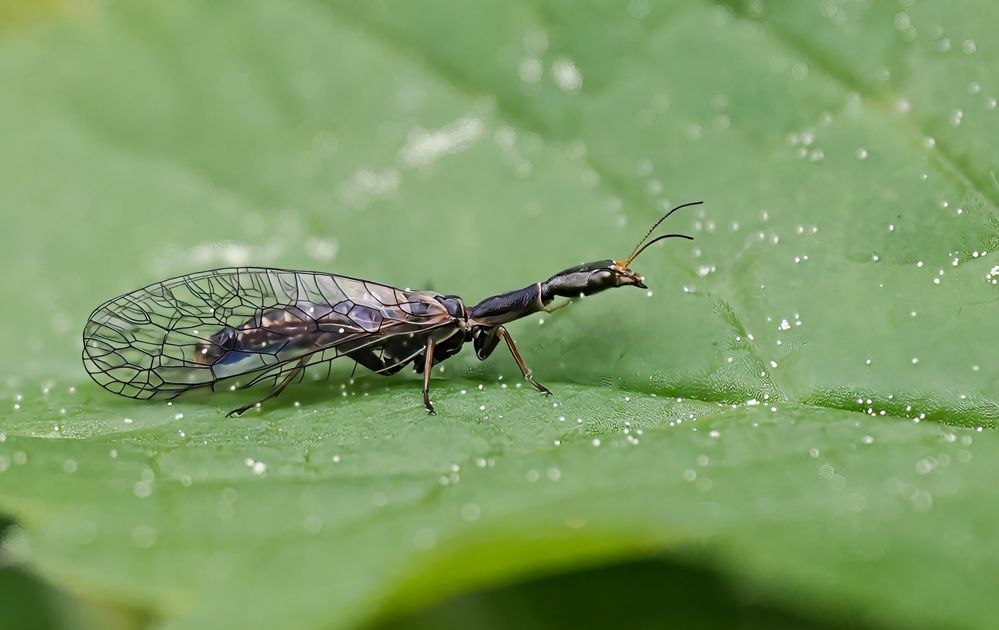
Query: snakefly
point(270, 325)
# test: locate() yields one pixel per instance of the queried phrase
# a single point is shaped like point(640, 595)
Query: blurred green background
point(794, 427)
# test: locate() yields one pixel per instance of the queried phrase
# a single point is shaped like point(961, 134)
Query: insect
point(270, 325)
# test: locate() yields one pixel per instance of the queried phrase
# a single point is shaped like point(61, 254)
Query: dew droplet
point(425, 539)
point(144, 536)
point(567, 76)
point(470, 512)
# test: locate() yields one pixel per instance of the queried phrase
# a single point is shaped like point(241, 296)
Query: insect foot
point(238, 411)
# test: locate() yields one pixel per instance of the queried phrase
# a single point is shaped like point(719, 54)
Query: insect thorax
point(454, 305)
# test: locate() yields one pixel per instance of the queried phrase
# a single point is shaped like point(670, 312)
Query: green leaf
point(803, 405)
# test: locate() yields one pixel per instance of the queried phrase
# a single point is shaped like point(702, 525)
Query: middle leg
point(427, 368)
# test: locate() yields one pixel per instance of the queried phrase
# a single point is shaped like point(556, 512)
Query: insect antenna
point(656, 240)
point(639, 248)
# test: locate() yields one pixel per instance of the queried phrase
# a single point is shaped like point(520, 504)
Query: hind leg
point(375, 362)
point(238, 411)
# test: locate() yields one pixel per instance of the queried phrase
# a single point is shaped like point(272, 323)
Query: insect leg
point(427, 368)
point(238, 411)
point(375, 362)
point(485, 340)
point(502, 332)
point(551, 308)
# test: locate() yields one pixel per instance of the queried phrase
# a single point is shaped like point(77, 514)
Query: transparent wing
point(196, 330)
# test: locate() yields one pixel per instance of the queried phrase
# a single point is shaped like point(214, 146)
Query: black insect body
point(196, 331)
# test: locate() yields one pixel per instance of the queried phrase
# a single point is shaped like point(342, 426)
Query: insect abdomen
point(273, 331)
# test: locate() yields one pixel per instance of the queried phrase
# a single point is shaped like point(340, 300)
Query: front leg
point(486, 341)
point(551, 308)
point(501, 331)
point(485, 347)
